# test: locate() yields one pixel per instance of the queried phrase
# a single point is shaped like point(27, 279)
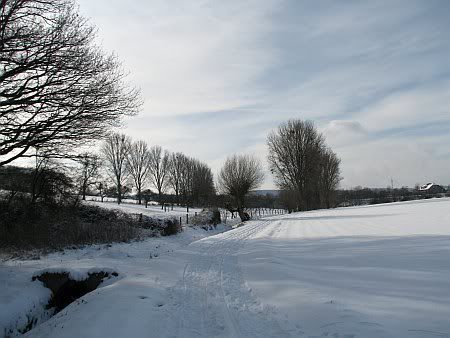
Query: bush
point(160, 226)
point(207, 217)
point(172, 227)
point(25, 226)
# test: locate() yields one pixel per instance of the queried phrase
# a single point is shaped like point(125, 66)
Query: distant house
point(431, 188)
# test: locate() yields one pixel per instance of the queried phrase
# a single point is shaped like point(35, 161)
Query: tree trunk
point(139, 196)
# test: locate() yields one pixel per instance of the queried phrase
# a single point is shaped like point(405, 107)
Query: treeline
point(152, 171)
point(305, 169)
point(364, 196)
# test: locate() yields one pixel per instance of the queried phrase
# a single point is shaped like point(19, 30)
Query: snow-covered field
point(373, 271)
point(151, 210)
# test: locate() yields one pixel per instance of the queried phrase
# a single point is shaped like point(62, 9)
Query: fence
point(254, 213)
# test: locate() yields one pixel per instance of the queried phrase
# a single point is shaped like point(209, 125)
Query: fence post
point(187, 218)
point(180, 221)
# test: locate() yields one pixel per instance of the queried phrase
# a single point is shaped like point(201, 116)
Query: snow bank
point(76, 275)
point(22, 302)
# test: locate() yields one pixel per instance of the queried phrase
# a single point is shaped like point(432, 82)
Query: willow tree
point(239, 175)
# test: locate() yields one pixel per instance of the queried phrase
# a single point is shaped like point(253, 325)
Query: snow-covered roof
point(427, 186)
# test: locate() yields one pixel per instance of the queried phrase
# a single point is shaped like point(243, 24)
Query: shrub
point(207, 217)
point(25, 226)
point(160, 226)
point(172, 227)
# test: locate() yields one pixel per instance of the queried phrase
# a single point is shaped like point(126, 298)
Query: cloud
point(218, 76)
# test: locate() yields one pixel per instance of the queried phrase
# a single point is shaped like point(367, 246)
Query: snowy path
point(212, 299)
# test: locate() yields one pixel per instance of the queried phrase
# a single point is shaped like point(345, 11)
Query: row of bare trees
point(127, 162)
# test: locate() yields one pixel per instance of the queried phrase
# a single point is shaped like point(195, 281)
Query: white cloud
point(217, 76)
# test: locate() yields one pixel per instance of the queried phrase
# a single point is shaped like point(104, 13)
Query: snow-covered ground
point(373, 271)
point(151, 210)
point(21, 299)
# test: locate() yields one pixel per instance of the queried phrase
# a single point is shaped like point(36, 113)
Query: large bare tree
point(138, 165)
point(297, 155)
point(116, 149)
point(159, 168)
point(57, 88)
point(239, 175)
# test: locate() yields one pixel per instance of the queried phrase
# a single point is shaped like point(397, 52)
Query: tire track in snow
point(212, 299)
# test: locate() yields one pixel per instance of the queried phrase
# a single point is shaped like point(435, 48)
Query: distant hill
point(265, 192)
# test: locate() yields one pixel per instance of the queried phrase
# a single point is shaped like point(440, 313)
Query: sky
point(218, 76)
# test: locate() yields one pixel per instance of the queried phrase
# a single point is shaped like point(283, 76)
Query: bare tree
point(330, 176)
point(87, 172)
point(49, 183)
point(116, 149)
point(159, 168)
point(138, 165)
point(296, 156)
point(175, 172)
point(195, 181)
point(186, 179)
point(56, 86)
point(102, 188)
point(203, 189)
point(239, 175)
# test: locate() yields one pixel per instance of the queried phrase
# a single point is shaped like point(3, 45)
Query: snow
point(375, 271)
point(151, 210)
point(76, 275)
point(21, 298)
point(372, 271)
